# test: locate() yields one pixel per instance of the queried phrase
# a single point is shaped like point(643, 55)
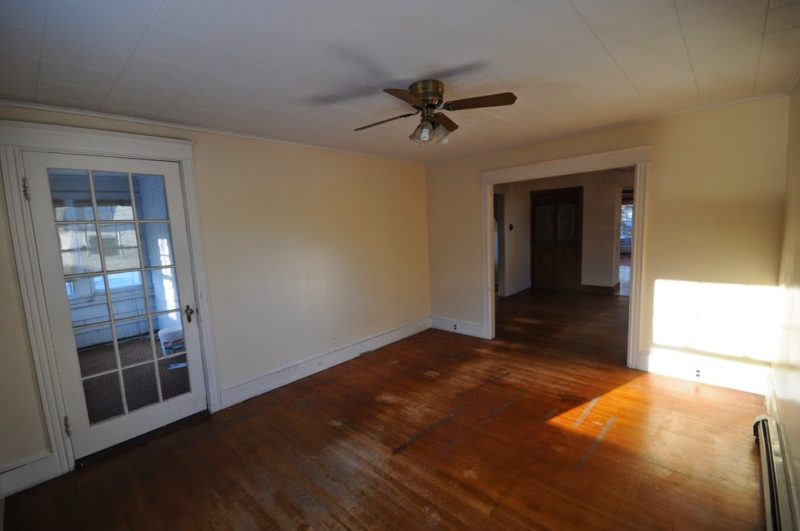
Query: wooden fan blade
point(404, 95)
point(445, 122)
point(491, 100)
point(386, 120)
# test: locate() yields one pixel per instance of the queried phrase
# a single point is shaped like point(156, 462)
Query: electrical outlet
point(697, 373)
point(455, 326)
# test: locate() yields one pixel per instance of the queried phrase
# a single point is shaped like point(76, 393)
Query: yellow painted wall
point(786, 372)
point(714, 205)
point(307, 250)
point(22, 432)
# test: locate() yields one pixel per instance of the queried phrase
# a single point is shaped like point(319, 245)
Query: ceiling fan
point(427, 98)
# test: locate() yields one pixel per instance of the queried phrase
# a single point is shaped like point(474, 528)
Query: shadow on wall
point(715, 333)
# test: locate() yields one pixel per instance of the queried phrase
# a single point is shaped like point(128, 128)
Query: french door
point(114, 257)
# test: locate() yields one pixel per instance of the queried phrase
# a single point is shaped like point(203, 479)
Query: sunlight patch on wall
point(721, 334)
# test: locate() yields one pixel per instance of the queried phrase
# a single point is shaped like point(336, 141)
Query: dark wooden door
point(556, 238)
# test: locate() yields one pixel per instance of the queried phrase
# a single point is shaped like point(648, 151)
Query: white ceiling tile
point(226, 87)
point(398, 26)
point(625, 16)
point(213, 21)
point(727, 76)
point(645, 38)
point(780, 40)
point(151, 69)
point(17, 88)
point(20, 40)
point(180, 50)
point(79, 53)
point(19, 66)
point(67, 74)
point(76, 21)
point(145, 89)
point(778, 69)
point(724, 40)
point(141, 10)
point(510, 18)
point(173, 48)
point(69, 96)
point(780, 3)
point(28, 13)
point(293, 29)
point(194, 108)
point(783, 18)
point(133, 105)
point(714, 23)
point(137, 97)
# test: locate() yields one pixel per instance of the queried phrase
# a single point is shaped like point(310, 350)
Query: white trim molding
point(36, 470)
point(319, 362)
point(459, 327)
point(552, 168)
point(636, 157)
point(17, 138)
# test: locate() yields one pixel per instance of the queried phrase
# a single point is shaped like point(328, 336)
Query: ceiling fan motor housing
point(429, 91)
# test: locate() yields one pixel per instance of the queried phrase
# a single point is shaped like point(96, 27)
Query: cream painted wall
point(600, 247)
point(713, 209)
point(306, 250)
point(22, 434)
point(786, 372)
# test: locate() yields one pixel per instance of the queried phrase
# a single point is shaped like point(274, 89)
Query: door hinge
point(26, 189)
point(67, 430)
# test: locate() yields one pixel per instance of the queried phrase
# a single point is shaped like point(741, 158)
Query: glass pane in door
point(566, 221)
point(80, 252)
point(120, 281)
point(120, 246)
point(72, 197)
point(113, 194)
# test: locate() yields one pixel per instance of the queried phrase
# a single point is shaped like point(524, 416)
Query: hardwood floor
point(542, 428)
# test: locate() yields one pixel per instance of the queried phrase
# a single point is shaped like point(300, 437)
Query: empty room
point(384, 264)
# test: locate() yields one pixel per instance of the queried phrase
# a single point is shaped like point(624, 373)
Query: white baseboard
point(774, 411)
point(459, 327)
point(267, 382)
point(36, 471)
point(721, 372)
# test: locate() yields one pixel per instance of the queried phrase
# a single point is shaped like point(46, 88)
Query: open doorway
point(625, 331)
point(625, 241)
point(566, 261)
point(499, 249)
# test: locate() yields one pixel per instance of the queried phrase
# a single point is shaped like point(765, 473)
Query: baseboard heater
point(774, 478)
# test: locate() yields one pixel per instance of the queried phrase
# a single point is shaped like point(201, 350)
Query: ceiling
point(310, 71)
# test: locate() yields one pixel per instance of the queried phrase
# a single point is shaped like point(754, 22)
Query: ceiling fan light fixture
point(427, 97)
point(422, 134)
point(440, 134)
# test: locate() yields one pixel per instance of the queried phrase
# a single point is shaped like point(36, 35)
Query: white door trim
point(637, 157)
point(18, 137)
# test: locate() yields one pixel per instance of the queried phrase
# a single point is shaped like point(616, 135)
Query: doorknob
point(189, 312)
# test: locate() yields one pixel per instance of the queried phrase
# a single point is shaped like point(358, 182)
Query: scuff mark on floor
point(600, 436)
point(586, 412)
point(433, 427)
point(471, 473)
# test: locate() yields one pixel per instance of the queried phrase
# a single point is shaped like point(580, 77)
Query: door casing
point(637, 157)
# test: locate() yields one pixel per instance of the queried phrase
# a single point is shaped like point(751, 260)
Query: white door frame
point(17, 138)
point(637, 157)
